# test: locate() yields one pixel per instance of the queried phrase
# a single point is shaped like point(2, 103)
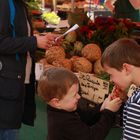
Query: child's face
point(70, 100)
point(120, 78)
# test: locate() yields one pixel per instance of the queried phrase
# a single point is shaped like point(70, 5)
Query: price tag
point(131, 90)
point(38, 70)
point(93, 88)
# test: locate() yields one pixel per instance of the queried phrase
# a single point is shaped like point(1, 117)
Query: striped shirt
point(131, 117)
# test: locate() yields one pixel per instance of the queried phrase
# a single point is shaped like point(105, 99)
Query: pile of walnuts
point(88, 62)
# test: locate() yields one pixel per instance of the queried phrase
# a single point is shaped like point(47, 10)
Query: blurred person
point(124, 8)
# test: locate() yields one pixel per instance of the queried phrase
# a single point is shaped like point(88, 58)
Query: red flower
point(105, 30)
point(100, 21)
point(111, 28)
point(92, 25)
point(84, 29)
point(110, 21)
point(89, 35)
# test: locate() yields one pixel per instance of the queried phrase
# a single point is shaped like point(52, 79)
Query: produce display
point(74, 55)
point(87, 43)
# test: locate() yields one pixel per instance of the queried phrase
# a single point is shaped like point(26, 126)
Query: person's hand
point(41, 41)
point(50, 38)
point(112, 105)
point(104, 104)
point(45, 41)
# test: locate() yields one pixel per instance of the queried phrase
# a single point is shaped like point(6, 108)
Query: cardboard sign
point(131, 90)
point(93, 88)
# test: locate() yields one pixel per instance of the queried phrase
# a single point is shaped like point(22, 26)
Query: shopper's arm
point(76, 129)
point(8, 44)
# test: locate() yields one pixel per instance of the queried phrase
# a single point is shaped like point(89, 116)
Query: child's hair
point(55, 82)
point(124, 50)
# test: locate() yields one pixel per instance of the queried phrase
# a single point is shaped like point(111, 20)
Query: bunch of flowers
point(51, 17)
point(105, 30)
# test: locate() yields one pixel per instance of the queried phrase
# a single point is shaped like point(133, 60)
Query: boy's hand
point(113, 105)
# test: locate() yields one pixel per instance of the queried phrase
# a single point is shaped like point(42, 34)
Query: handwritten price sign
point(131, 90)
point(93, 88)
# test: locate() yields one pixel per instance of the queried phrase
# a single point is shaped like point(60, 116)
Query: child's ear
point(127, 67)
point(54, 102)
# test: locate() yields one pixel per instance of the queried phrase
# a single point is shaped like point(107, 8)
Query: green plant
point(33, 4)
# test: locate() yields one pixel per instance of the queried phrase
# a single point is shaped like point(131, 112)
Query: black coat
point(12, 71)
point(78, 125)
point(124, 9)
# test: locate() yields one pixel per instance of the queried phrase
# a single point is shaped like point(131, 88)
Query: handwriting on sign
point(105, 85)
point(88, 85)
point(87, 77)
point(93, 88)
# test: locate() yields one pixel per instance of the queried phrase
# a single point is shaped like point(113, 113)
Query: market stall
point(80, 50)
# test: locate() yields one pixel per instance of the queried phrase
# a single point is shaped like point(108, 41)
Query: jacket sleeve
point(8, 44)
point(97, 123)
point(101, 129)
point(78, 130)
point(89, 115)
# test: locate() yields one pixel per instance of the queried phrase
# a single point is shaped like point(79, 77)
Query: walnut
point(92, 52)
point(47, 66)
point(73, 58)
point(97, 67)
point(82, 64)
point(65, 63)
point(54, 53)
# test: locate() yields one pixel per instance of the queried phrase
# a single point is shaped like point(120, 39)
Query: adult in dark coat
point(125, 8)
point(16, 105)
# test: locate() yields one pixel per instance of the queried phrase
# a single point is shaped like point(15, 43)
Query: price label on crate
point(93, 88)
point(131, 90)
point(38, 70)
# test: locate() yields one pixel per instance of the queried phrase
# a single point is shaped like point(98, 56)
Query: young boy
point(59, 87)
point(121, 60)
